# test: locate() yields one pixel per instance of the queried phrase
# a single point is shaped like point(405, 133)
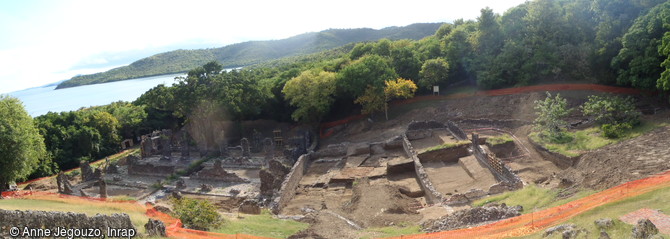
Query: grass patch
point(531, 198)
point(394, 231)
point(500, 139)
point(447, 145)
point(654, 200)
point(78, 205)
point(591, 138)
point(264, 225)
point(123, 198)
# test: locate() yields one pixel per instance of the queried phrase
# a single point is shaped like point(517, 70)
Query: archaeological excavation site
point(432, 169)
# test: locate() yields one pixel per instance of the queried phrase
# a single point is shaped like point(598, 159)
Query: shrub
point(615, 114)
point(614, 131)
point(197, 214)
point(611, 110)
point(550, 115)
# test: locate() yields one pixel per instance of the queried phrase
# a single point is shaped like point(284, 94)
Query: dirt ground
point(363, 208)
point(626, 161)
point(459, 177)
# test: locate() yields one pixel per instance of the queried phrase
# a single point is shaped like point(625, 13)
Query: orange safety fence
point(535, 222)
point(326, 128)
point(174, 227)
point(512, 227)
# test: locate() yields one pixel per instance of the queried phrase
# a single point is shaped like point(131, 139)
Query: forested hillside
point(252, 52)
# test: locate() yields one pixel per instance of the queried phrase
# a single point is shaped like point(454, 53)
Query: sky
point(45, 41)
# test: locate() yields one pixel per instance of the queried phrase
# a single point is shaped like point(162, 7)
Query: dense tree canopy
point(21, 144)
point(312, 92)
point(433, 72)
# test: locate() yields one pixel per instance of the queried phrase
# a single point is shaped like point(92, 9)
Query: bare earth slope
point(626, 161)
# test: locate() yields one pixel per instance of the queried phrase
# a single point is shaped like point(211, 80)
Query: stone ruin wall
point(291, 182)
point(456, 131)
point(501, 171)
point(217, 172)
point(52, 220)
point(507, 179)
point(431, 194)
point(137, 168)
point(272, 177)
point(450, 155)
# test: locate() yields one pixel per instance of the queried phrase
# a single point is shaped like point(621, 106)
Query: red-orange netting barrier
point(537, 221)
point(513, 227)
point(173, 226)
point(326, 130)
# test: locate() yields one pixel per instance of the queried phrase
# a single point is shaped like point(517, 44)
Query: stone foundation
point(290, 184)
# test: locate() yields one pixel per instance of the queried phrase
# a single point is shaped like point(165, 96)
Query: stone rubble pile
point(471, 217)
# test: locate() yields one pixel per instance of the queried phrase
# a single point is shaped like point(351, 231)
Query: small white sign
point(436, 89)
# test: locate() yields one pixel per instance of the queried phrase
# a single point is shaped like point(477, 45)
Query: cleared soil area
point(438, 137)
point(459, 177)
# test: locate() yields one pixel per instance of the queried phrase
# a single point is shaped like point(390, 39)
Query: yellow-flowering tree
point(375, 99)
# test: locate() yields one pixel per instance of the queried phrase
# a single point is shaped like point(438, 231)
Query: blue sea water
point(40, 100)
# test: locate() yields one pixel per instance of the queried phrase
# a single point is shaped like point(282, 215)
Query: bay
point(41, 100)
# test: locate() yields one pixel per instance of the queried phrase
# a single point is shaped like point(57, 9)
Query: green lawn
point(500, 139)
point(264, 225)
point(381, 232)
point(591, 138)
point(657, 200)
point(447, 145)
point(532, 198)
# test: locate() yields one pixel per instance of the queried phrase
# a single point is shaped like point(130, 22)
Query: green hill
point(251, 52)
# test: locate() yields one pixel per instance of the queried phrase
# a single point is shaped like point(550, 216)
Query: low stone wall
point(456, 131)
point(55, 220)
point(559, 160)
point(393, 143)
point(419, 134)
point(432, 195)
point(450, 155)
point(291, 183)
point(137, 168)
point(498, 168)
point(218, 173)
point(503, 123)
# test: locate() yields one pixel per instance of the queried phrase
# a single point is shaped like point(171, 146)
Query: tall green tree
point(21, 144)
point(638, 63)
point(312, 92)
point(551, 113)
point(433, 72)
point(368, 71)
